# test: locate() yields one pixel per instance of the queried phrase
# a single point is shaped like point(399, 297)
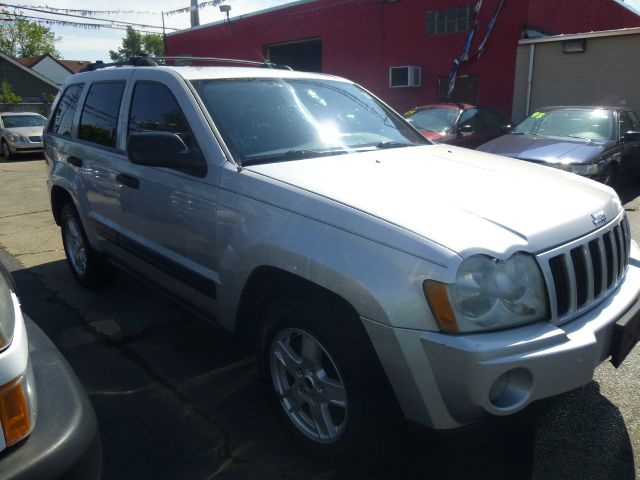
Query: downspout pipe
point(532, 51)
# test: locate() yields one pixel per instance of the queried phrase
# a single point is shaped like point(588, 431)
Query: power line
point(85, 11)
point(119, 22)
point(52, 21)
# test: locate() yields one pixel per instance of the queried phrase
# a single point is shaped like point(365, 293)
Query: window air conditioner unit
point(402, 77)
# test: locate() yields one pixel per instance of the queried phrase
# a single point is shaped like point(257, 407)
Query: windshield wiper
point(392, 144)
point(290, 155)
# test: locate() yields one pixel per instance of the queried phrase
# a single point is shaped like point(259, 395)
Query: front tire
point(610, 176)
point(326, 382)
point(88, 268)
point(6, 151)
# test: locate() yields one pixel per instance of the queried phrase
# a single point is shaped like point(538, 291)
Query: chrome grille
point(587, 270)
point(35, 139)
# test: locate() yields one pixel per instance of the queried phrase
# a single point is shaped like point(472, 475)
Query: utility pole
point(195, 13)
point(164, 37)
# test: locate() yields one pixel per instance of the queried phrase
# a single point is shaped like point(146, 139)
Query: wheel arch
point(267, 285)
point(59, 197)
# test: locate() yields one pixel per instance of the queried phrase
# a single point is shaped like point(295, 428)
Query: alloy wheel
point(76, 248)
point(308, 384)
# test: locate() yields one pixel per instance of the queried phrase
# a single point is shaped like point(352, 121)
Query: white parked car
point(48, 428)
point(20, 132)
point(374, 271)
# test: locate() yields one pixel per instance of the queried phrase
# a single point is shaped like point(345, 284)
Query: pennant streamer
point(10, 17)
point(467, 46)
point(211, 3)
point(464, 57)
point(87, 12)
point(487, 32)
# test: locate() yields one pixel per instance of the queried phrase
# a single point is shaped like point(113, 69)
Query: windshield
point(266, 120)
point(434, 119)
point(16, 121)
point(589, 124)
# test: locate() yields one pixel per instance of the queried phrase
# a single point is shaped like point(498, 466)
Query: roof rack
point(149, 61)
point(264, 64)
point(142, 61)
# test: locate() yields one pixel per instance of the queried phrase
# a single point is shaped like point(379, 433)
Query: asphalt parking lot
point(176, 398)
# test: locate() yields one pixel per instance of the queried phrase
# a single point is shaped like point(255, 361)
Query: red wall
point(361, 39)
point(566, 16)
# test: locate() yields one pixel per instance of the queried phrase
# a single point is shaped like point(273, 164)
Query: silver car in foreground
point(381, 277)
point(20, 132)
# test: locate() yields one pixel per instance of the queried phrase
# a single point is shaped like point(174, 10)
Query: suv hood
point(545, 149)
point(464, 200)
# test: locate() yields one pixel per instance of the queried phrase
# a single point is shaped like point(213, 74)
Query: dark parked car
point(457, 123)
point(601, 143)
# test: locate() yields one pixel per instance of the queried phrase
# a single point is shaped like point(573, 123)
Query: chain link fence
point(37, 107)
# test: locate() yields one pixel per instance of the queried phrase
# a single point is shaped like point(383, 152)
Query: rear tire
point(88, 268)
point(326, 382)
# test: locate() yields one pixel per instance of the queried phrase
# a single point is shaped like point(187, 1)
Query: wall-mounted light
point(225, 9)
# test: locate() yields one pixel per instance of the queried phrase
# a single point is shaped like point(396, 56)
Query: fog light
point(511, 389)
point(18, 408)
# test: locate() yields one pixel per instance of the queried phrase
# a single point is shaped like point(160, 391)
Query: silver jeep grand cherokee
point(376, 272)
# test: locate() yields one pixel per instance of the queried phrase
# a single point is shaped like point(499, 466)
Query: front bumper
point(24, 147)
point(65, 442)
point(446, 381)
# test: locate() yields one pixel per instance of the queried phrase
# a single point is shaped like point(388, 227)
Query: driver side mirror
point(466, 129)
point(631, 137)
point(164, 149)
point(506, 128)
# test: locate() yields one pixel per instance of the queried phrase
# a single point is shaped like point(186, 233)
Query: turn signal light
point(15, 413)
point(438, 300)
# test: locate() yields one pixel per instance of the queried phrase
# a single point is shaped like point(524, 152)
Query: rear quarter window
point(66, 110)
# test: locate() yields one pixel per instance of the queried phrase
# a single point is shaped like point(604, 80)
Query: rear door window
point(492, 120)
point(472, 117)
point(66, 110)
point(99, 119)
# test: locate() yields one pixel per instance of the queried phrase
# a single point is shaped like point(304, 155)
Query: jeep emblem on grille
point(598, 218)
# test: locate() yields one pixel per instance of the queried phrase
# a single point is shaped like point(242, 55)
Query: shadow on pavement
point(176, 398)
point(23, 157)
point(629, 192)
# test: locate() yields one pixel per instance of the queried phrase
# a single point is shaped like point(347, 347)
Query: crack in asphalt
point(22, 214)
point(223, 450)
point(124, 347)
point(36, 253)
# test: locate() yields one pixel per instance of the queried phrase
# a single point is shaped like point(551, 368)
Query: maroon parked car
point(458, 123)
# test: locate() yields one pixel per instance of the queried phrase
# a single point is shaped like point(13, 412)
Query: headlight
point(581, 169)
point(15, 137)
point(7, 312)
point(490, 294)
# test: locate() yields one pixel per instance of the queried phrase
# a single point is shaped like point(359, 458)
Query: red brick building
point(363, 39)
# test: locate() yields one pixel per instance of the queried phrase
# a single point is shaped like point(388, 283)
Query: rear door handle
point(128, 180)
point(75, 161)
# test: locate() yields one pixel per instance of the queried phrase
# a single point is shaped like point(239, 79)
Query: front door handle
point(75, 161)
point(128, 180)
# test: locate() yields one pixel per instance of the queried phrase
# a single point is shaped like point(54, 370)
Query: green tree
point(135, 44)
point(7, 95)
point(22, 38)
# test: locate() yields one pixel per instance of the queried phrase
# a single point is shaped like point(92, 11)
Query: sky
point(85, 44)
point(94, 44)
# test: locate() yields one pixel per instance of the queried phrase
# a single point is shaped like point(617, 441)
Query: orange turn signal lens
point(15, 414)
point(438, 301)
